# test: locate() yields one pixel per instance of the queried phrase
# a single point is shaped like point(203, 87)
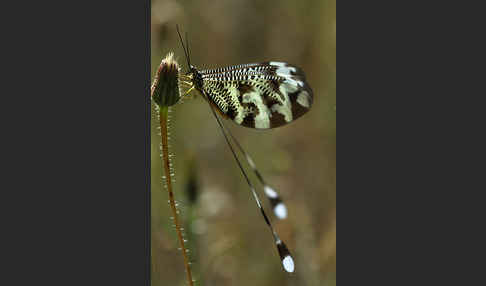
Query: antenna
point(284, 253)
point(186, 52)
point(278, 206)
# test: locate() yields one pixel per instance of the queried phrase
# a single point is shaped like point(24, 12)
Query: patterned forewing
point(260, 95)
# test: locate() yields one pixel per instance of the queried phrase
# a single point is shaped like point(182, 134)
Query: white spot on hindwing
point(280, 211)
point(270, 192)
point(288, 264)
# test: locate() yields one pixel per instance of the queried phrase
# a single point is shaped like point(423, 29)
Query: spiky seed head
point(165, 88)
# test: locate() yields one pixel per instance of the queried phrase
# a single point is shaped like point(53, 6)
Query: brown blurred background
point(228, 239)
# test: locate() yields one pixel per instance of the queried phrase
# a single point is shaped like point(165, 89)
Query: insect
point(257, 95)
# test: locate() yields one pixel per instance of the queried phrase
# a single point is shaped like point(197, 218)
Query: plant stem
point(165, 161)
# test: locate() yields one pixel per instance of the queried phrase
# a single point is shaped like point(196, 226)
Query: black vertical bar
point(77, 144)
point(148, 260)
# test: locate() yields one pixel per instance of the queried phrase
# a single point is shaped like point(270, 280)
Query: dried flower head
point(165, 88)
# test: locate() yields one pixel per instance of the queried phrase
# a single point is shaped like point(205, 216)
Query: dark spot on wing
point(269, 101)
point(249, 121)
point(275, 85)
point(277, 120)
point(231, 113)
point(297, 109)
point(250, 106)
point(298, 72)
point(244, 88)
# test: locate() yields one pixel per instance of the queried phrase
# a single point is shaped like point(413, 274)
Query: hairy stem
point(165, 160)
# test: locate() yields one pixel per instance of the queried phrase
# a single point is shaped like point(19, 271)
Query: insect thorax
point(197, 79)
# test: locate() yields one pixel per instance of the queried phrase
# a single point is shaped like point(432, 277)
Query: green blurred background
point(228, 239)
